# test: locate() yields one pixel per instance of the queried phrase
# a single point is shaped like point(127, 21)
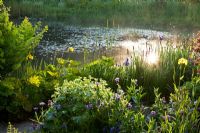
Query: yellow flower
point(29, 57)
point(34, 80)
point(183, 61)
point(61, 61)
point(71, 49)
point(53, 74)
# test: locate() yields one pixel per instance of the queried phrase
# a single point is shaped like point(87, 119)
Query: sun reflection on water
point(152, 58)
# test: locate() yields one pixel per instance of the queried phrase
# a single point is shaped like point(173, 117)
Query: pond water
point(94, 42)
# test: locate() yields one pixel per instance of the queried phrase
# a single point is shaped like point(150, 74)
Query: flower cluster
point(29, 57)
point(34, 80)
point(70, 49)
point(183, 61)
point(61, 61)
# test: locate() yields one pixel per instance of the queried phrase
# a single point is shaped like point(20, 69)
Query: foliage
point(79, 106)
point(31, 84)
point(159, 75)
point(86, 105)
point(193, 87)
point(177, 14)
point(11, 129)
point(10, 97)
point(16, 42)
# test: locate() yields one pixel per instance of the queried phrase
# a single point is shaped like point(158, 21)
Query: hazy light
point(152, 58)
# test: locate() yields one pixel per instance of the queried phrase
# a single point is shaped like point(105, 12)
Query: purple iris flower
point(127, 63)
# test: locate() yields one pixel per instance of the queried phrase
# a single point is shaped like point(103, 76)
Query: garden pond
point(94, 42)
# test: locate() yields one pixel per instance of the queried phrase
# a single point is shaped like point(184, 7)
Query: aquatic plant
point(161, 74)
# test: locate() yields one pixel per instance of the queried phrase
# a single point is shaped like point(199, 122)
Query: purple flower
point(89, 106)
point(126, 63)
point(42, 103)
point(117, 80)
point(153, 113)
point(117, 97)
point(161, 37)
point(129, 106)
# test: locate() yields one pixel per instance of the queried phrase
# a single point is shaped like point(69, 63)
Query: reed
point(150, 76)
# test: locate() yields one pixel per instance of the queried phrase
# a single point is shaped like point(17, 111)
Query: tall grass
point(149, 76)
point(146, 13)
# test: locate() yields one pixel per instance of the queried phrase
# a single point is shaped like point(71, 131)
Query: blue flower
point(57, 106)
point(112, 129)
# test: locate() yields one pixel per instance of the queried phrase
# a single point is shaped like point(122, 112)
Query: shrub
point(79, 106)
point(16, 42)
point(11, 99)
point(84, 106)
point(16, 45)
